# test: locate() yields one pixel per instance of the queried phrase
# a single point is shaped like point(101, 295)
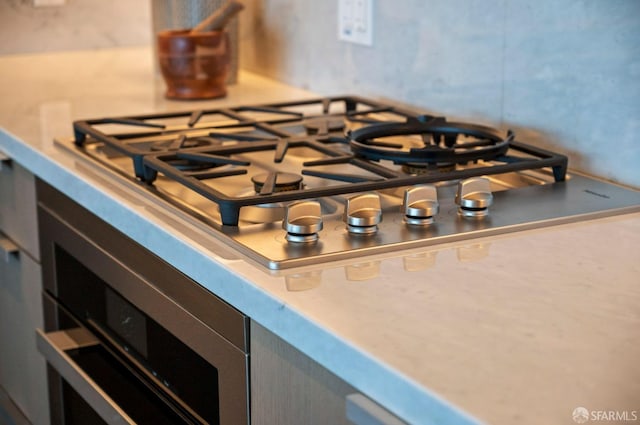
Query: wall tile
point(572, 72)
point(563, 74)
point(78, 25)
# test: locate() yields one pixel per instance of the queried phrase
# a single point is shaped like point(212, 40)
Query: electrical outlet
point(355, 21)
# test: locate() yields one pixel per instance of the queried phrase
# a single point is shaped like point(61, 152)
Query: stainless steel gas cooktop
point(305, 182)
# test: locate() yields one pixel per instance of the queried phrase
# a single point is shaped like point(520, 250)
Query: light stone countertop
point(519, 328)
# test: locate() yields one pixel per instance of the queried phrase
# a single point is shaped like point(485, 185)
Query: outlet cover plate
point(355, 21)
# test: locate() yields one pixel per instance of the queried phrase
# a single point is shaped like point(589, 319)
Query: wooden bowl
point(194, 65)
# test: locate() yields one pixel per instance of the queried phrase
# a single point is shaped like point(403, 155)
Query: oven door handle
point(53, 345)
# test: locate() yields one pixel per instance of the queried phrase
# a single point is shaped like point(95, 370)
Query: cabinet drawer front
point(18, 206)
point(22, 368)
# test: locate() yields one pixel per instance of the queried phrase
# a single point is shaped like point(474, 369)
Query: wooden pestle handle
point(221, 17)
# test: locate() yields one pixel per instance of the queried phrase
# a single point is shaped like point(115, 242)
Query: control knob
point(302, 221)
point(363, 213)
point(474, 197)
point(420, 205)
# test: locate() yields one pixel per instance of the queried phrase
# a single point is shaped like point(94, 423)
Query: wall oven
point(129, 339)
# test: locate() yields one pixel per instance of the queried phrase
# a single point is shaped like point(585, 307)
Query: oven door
point(129, 339)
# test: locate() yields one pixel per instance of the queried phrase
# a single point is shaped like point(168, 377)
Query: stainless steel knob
point(474, 197)
point(302, 221)
point(363, 213)
point(420, 205)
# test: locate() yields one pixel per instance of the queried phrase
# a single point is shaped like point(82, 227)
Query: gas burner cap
point(267, 183)
point(418, 169)
point(187, 165)
point(324, 125)
point(179, 143)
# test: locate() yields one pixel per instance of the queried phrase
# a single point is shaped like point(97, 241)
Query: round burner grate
point(436, 142)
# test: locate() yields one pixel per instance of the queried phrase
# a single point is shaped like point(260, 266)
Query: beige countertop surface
point(519, 328)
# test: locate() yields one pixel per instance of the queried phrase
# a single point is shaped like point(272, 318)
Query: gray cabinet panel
point(288, 387)
point(18, 217)
point(22, 369)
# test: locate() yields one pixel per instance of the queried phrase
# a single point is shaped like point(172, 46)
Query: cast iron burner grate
point(315, 116)
point(440, 142)
point(376, 147)
point(387, 178)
